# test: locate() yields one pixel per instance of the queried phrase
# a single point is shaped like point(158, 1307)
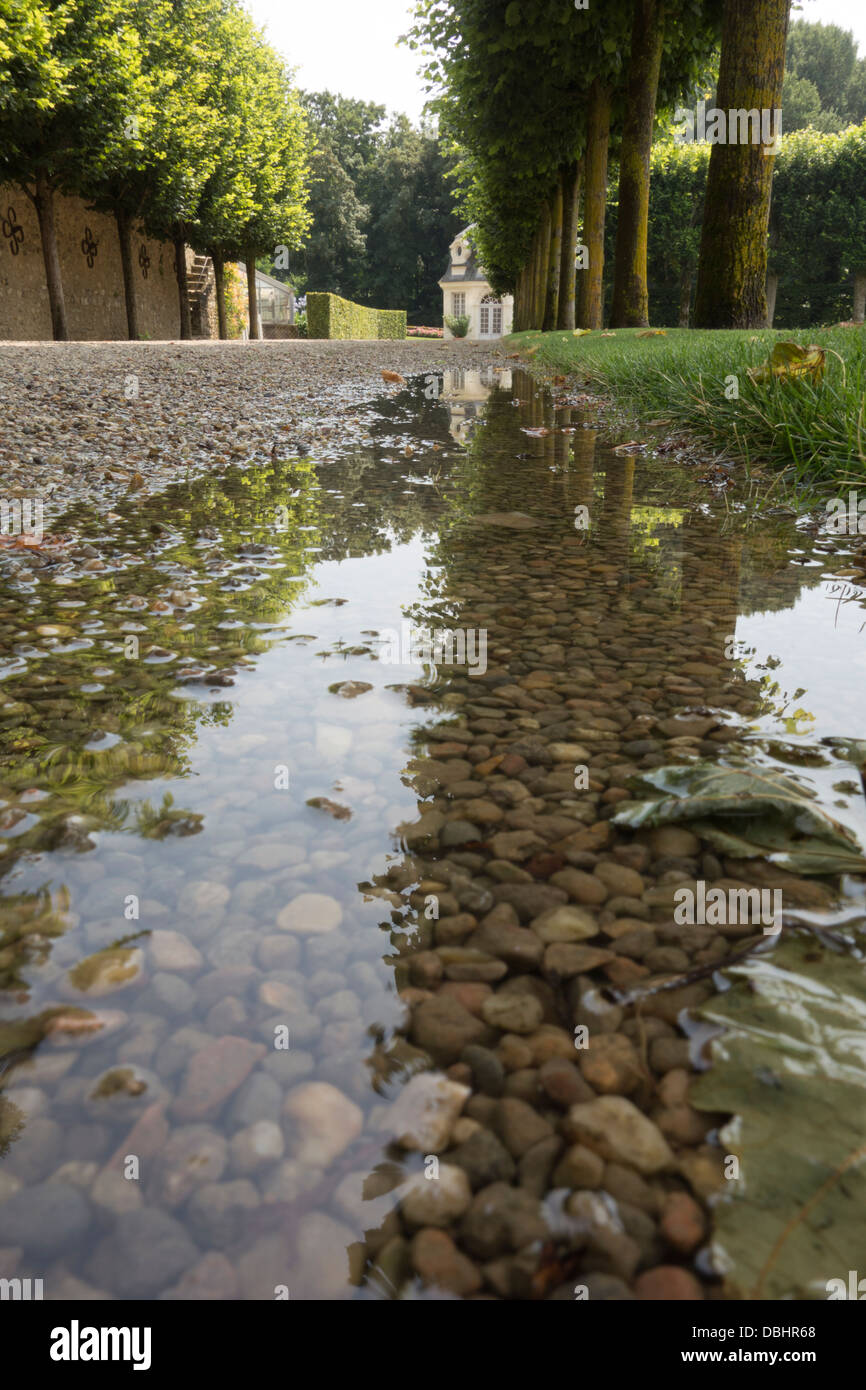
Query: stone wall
point(280, 330)
point(92, 278)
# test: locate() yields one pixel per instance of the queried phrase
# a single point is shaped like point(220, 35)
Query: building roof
point(473, 271)
point(272, 283)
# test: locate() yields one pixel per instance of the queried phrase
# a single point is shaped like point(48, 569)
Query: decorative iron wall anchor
point(143, 260)
point(13, 231)
point(89, 247)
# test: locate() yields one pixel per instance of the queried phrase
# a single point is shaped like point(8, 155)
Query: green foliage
point(825, 55)
point(382, 207)
point(70, 80)
point(329, 316)
point(812, 431)
point(459, 326)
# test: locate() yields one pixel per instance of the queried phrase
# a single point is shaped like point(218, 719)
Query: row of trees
point(174, 115)
point(538, 97)
point(817, 243)
point(382, 208)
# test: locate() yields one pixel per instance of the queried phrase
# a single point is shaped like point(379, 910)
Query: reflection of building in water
point(464, 391)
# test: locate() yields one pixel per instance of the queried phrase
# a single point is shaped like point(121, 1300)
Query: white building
point(467, 291)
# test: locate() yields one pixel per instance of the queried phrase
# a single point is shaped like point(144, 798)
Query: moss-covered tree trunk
point(860, 296)
point(517, 315)
point(732, 271)
point(567, 273)
point(252, 297)
point(124, 236)
point(43, 201)
point(554, 260)
point(220, 283)
point(542, 258)
point(182, 282)
point(589, 299)
point(630, 307)
point(529, 274)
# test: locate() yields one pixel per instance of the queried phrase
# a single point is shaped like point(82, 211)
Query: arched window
point(491, 317)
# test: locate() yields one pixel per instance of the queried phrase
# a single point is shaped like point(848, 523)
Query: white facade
point(466, 290)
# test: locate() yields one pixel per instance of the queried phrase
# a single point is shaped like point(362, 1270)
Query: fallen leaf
point(749, 813)
point(791, 360)
point(654, 333)
point(393, 376)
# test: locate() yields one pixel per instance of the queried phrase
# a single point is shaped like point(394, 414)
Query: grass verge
point(697, 380)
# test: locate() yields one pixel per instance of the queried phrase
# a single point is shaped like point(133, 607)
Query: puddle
point(217, 872)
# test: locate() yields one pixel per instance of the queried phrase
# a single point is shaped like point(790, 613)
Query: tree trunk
point(252, 297)
point(772, 287)
point(182, 284)
point(630, 308)
point(124, 233)
point(516, 316)
point(220, 281)
point(554, 262)
point(685, 297)
point(732, 271)
point(43, 200)
point(541, 270)
point(567, 273)
point(589, 300)
point(859, 296)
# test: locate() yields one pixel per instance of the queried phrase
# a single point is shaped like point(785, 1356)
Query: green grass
point(815, 432)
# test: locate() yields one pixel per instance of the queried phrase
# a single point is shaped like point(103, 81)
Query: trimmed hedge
point(329, 316)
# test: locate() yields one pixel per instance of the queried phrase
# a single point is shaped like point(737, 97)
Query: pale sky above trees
point(351, 47)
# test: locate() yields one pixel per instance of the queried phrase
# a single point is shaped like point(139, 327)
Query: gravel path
point(92, 421)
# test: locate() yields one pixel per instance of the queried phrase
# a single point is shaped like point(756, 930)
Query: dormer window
point(459, 252)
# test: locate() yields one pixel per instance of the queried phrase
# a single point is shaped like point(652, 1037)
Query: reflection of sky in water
point(820, 644)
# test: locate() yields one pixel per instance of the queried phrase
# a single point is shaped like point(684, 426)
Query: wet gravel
point(90, 422)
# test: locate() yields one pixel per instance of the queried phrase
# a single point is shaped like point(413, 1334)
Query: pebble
point(256, 1147)
point(443, 1027)
point(45, 1218)
point(436, 1201)
point(519, 1126)
point(214, 1072)
point(439, 1264)
point(616, 1129)
point(144, 1255)
point(611, 1064)
point(171, 950)
point(564, 924)
point(667, 1284)
point(512, 1013)
point(322, 1122)
point(425, 1112)
point(311, 914)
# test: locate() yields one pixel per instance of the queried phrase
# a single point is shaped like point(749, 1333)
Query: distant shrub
point(329, 316)
point(459, 326)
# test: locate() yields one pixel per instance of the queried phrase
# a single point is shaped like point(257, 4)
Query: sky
point(347, 46)
point(350, 46)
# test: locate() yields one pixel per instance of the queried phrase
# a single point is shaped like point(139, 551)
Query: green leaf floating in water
point(791, 1069)
point(749, 813)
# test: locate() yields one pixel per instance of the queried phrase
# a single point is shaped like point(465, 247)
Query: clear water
point(162, 785)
